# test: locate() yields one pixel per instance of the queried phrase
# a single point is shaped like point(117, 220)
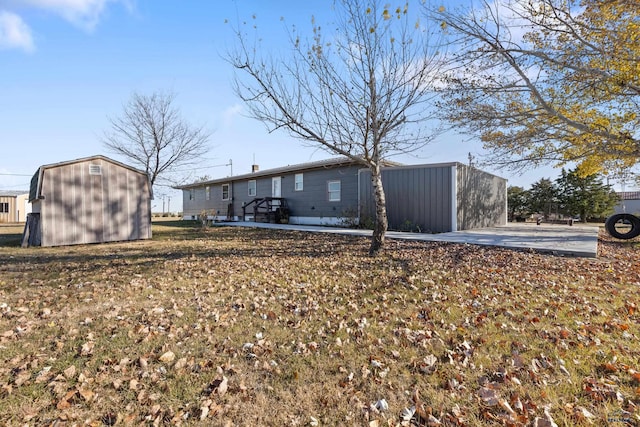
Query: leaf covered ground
point(250, 327)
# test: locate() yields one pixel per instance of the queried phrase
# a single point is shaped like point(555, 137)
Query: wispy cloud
point(229, 114)
point(85, 14)
point(14, 33)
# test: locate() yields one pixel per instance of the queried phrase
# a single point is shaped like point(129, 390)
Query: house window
point(299, 180)
point(4, 207)
point(252, 187)
point(225, 191)
point(207, 192)
point(192, 194)
point(333, 188)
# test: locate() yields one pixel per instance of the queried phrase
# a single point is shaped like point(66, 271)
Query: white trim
point(339, 191)
point(359, 208)
point(95, 169)
point(318, 220)
point(276, 189)
point(454, 197)
point(506, 204)
point(295, 181)
point(228, 192)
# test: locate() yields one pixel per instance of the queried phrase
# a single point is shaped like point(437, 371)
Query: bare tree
point(364, 92)
point(152, 134)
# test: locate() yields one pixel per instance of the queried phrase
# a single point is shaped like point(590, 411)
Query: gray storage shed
point(89, 200)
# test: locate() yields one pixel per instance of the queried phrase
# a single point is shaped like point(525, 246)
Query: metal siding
point(417, 196)
point(481, 199)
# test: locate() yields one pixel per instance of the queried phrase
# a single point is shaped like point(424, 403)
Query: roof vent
point(95, 170)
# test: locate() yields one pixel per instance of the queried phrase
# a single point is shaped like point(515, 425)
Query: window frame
point(228, 192)
point(207, 192)
point(300, 181)
point(4, 207)
point(253, 187)
point(333, 192)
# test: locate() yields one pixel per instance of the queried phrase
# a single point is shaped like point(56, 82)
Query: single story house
point(430, 198)
point(89, 200)
point(14, 206)
point(629, 202)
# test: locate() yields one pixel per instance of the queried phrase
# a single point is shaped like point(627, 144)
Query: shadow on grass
point(188, 241)
point(9, 240)
point(165, 230)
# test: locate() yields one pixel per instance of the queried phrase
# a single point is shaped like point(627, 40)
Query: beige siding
point(9, 216)
point(80, 207)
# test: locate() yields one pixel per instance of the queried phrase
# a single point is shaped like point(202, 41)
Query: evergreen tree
point(586, 196)
point(517, 202)
point(543, 197)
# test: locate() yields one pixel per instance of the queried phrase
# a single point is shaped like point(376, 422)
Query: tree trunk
point(380, 228)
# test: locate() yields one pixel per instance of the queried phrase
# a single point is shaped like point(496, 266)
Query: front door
point(276, 190)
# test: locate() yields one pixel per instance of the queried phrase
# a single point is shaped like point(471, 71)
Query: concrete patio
point(576, 240)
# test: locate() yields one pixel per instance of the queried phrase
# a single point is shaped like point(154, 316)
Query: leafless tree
point(364, 91)
point(152, 134)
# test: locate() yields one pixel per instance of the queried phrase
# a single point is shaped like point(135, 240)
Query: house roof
point(327, 163)
point(36, 180)
point(12, 193)
point(629, 195)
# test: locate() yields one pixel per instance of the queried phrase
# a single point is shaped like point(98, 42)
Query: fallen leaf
point(70, 372)
point(86, 394)
point(87, 348)
point(167, 357)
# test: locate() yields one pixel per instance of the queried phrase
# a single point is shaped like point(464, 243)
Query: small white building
point(14, 206)
point(629, 202)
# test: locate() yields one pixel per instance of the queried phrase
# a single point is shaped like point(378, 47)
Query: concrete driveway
point(577, 240)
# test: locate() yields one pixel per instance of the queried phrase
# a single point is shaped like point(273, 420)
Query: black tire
point(611, 222)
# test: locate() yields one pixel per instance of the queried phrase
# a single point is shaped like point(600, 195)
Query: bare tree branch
point(151, 133)
point(365, 91)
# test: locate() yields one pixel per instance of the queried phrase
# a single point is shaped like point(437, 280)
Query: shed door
point(276, 189)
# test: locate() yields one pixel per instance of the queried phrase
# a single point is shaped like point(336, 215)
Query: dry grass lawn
point(251, 327)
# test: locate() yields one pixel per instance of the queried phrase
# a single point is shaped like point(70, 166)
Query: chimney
point(254, 168)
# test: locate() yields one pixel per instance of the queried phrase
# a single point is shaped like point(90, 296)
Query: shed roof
point(36, 180)
point(12, 193)
point(320, 164)
point(629, 195)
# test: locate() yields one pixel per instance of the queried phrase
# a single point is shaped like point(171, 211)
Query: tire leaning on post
point(610, 226)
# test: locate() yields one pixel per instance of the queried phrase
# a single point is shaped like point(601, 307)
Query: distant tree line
point(570, 195)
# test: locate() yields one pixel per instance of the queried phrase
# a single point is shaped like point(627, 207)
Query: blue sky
point(66, 66)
